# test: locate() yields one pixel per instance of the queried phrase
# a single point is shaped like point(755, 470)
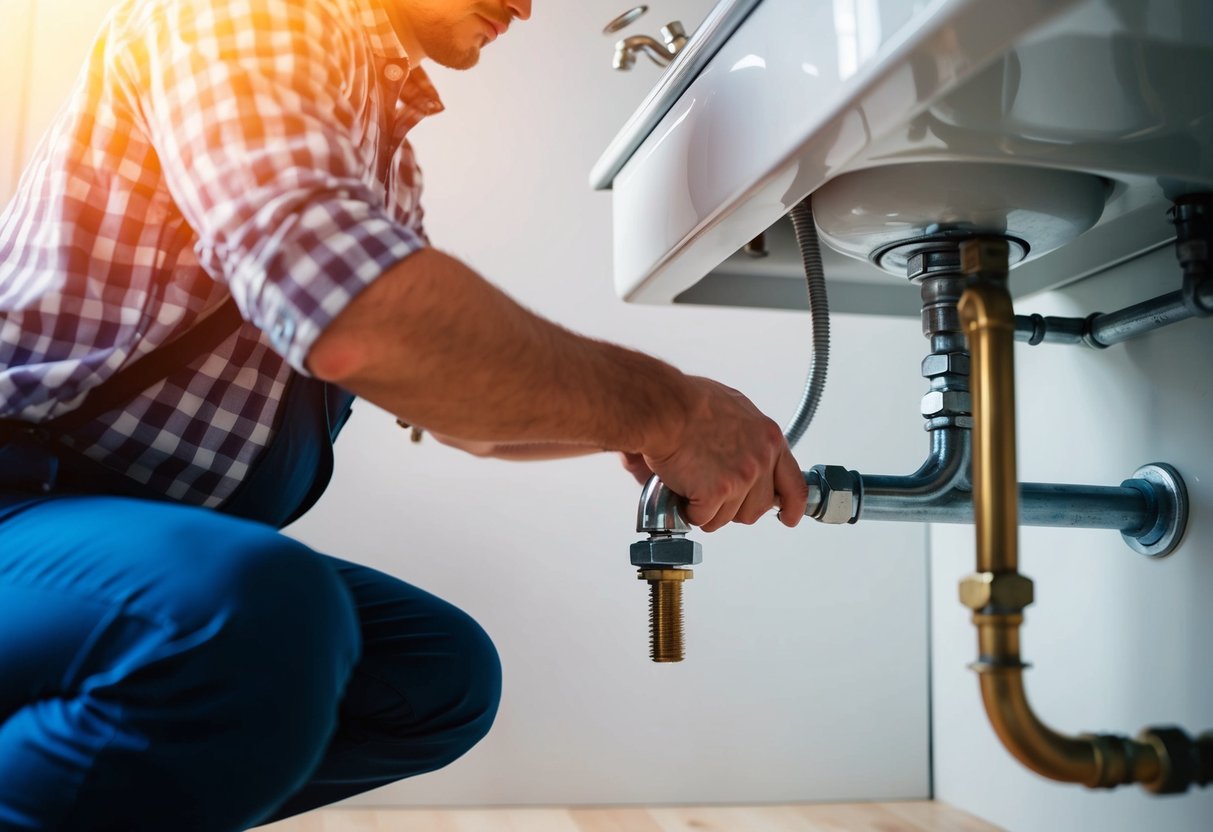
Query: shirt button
point(393, 72)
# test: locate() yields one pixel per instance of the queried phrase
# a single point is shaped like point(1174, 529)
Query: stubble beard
point(439, 43)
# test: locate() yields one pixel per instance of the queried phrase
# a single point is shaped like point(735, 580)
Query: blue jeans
point(168, 667)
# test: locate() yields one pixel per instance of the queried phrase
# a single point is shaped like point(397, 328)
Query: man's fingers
point(710, 513)
point(793, 492)
point(756, 504)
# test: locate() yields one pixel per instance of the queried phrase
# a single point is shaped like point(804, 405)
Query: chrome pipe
point(1040, 329)
point(1104, 330)
point(1139, 319)
point(946, 469)
point(1127, 509)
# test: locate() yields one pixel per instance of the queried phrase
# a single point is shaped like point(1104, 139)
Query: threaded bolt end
point(665, 612)
point(665, 621)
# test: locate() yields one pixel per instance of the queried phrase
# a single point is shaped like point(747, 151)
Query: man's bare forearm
point(437, 345)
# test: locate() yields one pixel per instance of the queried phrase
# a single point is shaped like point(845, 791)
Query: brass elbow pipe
point(1163, 760)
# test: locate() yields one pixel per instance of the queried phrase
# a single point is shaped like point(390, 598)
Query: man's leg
point(425, 691)
point(162, 667)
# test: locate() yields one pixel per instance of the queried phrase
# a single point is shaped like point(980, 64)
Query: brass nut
point(984, 255)
point(952, 363)
point(666, 550)
point(666, 574)
point(1001, 590)
point(940, 402)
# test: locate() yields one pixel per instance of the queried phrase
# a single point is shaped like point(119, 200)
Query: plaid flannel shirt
point(210, 147)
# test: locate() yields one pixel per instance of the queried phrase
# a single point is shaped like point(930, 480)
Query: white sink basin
point(800, 94)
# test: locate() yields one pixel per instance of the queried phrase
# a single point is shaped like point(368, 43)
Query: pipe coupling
point(1185, 761)
point(996, 592)
point(841, 494)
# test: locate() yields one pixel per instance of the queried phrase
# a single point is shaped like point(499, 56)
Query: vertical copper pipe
point(989, 322)
point(998, 593)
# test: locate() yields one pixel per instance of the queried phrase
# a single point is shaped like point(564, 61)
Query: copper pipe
point(1162, 759)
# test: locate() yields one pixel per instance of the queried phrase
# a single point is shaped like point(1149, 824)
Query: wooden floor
point(819, 817)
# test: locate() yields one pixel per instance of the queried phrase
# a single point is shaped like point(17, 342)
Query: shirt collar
point(417, 90)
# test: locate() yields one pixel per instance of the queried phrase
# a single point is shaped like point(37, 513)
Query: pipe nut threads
point(666, 550)
point(947, 403)
point(665, 612)
point(1001, 591)
point(839, 494)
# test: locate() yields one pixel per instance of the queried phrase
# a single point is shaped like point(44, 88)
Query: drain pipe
point(1149, 509)
point(1162, 759)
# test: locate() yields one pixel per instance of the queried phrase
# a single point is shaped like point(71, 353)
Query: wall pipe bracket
point(1165, 489)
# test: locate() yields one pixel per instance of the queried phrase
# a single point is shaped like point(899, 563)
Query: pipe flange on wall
point(1165, 488)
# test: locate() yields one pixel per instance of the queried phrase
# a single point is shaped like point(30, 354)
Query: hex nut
point(838, 487)
point(666, 550)
point(1008, 591)
point(944, 402)
point(952, 363)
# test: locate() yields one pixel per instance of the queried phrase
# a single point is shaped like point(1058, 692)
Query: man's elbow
point(336, 357)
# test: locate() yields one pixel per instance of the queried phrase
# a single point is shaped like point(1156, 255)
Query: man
point(216, 248)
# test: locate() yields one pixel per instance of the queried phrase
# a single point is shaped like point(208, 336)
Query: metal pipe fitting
point(1163, 760)
point(660, 509)
point(1193, 219)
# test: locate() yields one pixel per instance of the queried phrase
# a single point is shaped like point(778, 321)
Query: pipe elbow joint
point(661, 511)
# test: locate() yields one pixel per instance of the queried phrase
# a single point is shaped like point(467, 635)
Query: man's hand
point(729, 461)
point(636, 466)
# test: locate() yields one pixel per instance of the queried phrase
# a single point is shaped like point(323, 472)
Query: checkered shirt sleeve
point(209, 147)
point(247, 106)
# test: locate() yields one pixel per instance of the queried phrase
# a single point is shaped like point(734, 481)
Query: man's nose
point(521, 9)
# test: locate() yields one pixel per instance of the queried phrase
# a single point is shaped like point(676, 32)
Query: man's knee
point(442, 688)
point(482, 680)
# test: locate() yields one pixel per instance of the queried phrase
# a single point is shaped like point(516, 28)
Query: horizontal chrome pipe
point(1139, 319)
point(939, 492)
point(1104, 330)
point(1126, 509)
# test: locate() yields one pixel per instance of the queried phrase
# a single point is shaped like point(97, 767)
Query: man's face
point(453, 32)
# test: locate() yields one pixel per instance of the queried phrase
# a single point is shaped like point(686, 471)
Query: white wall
point(1116, 641)
point(14, 67)
point(806, 671)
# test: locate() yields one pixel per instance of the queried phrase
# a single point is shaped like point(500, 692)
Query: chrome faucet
point(673, 39)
